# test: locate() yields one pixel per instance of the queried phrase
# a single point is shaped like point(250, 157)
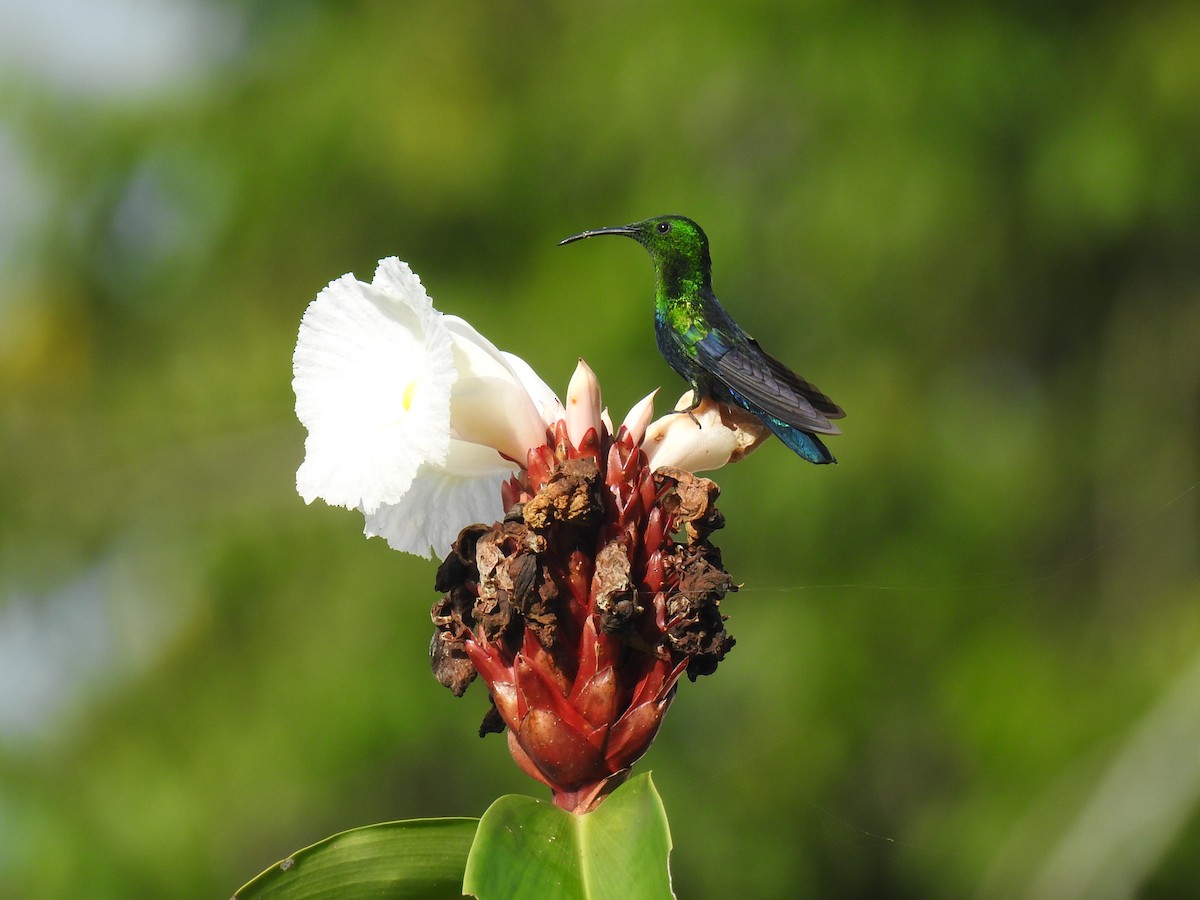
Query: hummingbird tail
point(803, 444)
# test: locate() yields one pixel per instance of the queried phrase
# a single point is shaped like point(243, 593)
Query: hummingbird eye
point(664, 227)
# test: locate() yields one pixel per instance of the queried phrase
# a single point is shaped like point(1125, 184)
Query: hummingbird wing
point(742, 366)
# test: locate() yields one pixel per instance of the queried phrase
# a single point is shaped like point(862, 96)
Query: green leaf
point(421, 859)
point(531, 848)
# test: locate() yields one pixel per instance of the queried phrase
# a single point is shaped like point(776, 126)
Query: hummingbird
point(702, 342)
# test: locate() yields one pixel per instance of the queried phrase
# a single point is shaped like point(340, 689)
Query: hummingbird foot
point(688, 412)
point(697, 399)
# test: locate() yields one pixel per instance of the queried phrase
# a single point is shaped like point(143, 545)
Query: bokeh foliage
point(967, 656)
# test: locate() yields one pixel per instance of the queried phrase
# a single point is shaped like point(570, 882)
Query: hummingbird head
point(676, 244)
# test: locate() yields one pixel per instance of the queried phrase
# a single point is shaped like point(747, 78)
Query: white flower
point(711, 436)
point(413, 417)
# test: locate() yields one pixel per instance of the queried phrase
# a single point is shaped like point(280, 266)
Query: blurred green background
point(968, 657)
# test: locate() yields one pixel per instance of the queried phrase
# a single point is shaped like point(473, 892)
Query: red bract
point(582, 609)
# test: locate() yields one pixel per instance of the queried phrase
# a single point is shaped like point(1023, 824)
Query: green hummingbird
point(703, 343)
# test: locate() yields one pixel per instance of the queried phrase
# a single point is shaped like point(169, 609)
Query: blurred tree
point(975, 225)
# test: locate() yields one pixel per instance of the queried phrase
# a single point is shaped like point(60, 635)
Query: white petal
point(675, 440)
point(490, 404)
point(544, 398)
point(372, 372)
point(583, 403)
point(443, 501)
point(396, 278)
point(481, 355)
point(725, 434)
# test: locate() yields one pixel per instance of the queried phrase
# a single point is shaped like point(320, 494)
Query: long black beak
point(626, 230)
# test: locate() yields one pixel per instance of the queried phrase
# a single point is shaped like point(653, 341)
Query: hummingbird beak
point(626, 230)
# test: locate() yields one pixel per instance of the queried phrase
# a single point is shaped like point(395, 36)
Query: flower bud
point(583, 403)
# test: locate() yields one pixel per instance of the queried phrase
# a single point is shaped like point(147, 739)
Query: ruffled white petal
point(443, 501)
point(372, 372)
point(396, 278)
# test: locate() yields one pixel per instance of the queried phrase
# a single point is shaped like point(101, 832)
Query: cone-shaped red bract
point(581, 609)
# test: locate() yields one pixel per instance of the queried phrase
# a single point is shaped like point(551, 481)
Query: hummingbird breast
point(675, 348)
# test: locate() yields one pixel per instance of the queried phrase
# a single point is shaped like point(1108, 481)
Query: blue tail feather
point(802, 443)
point(807, 445)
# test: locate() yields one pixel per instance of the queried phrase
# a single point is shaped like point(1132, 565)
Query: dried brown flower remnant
point(581, 610)
point(570, 494)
